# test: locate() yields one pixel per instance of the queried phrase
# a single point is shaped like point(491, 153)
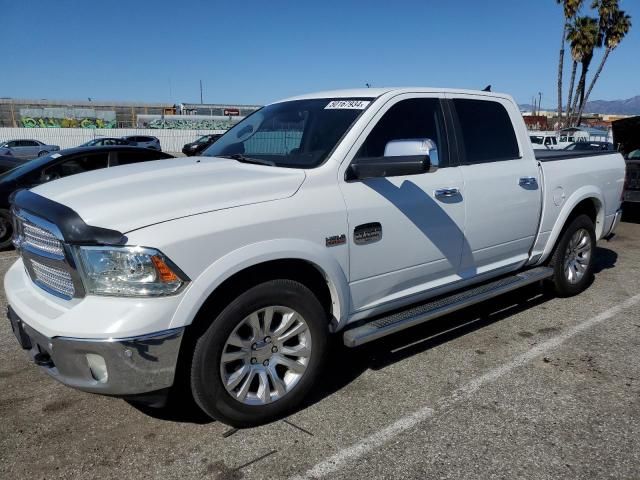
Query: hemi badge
point(336, 240)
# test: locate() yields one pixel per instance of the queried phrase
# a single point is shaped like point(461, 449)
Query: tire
point(6, 229)
point(572, 262)
point(265, 391)
point(43, 153)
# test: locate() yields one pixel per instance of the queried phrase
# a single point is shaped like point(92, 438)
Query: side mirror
point(401, 157)
point(413, 147)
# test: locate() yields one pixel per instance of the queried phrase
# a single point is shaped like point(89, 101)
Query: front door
point(405, 232)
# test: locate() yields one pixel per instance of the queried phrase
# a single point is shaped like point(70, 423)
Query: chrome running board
point(416, 315)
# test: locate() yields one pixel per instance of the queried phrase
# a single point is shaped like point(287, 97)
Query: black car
point(195, 148)
point(63, 164)
point(108, 141)
point(590, 146)
point(7, 162)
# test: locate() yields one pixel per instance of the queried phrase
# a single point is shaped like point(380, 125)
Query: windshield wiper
point(258, 161)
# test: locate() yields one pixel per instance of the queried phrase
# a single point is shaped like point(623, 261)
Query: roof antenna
point(487, 88)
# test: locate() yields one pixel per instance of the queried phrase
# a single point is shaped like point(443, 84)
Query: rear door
point(502, 184)
point(33, 148)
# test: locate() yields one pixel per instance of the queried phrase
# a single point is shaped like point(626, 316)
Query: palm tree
point(570, 8)
point(583, 36)
point(613, 30)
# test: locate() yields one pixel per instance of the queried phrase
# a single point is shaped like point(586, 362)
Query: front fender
point(282, 249)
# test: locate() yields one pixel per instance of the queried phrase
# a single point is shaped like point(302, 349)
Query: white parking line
point(377, 439)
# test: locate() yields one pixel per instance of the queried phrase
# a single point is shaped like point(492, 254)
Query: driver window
point(416, 118)
point(72, 166)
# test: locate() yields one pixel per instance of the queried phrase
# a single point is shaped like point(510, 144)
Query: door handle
point(447, 192)
point(527, 181)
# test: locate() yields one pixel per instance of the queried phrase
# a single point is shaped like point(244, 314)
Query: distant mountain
point(630, 106)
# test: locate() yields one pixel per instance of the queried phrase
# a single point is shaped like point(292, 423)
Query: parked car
point(590, 146)
point(107, 141)
point(63, 164)
point(144, 141)
point(7, 162)
point(26, 149)
point(197, 147)
point(357, 213)
point(544, 142)
point(632, 179)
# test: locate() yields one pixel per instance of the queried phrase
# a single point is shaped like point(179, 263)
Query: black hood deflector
point(72, 227)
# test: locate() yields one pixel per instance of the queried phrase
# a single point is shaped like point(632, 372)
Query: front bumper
point(133, 366)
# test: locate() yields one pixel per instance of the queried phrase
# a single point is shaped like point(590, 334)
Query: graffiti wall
point(71, 117)
point(187, 122)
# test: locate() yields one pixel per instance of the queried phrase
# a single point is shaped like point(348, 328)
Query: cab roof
point(377, 92)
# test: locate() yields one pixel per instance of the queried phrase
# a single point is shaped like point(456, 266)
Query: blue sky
point(257, 51)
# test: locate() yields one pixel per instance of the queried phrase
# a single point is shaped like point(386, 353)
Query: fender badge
point(336, 240)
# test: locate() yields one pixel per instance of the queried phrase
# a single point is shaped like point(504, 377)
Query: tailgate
point(632, 182)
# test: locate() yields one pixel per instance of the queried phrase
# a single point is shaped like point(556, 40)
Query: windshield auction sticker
point(347, 105)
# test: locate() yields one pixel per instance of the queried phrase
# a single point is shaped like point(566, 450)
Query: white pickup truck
point(356, 213)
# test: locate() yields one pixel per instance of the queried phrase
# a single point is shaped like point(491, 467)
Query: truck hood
point(133, 196)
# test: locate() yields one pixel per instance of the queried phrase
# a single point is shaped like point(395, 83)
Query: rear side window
point(487, 131)
point(135, 156)
point(75, 165)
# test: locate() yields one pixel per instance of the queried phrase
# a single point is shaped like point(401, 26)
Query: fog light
point(98, 367)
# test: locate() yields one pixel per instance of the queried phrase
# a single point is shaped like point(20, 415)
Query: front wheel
point(572, 260)
point(6, 229)
point(261, 355)
point(43, 153)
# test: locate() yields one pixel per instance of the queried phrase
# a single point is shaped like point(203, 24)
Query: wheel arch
point(298, 260)
point(588, 201)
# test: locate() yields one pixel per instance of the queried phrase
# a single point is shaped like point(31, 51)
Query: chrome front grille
point(40, 239)
point(47, 259)
point(53, 279)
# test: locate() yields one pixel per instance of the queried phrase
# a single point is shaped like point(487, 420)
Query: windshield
point(296, 134)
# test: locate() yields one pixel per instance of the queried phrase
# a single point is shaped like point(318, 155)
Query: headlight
point(129, 272)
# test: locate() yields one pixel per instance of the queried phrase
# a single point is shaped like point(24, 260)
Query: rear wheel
point(572, 260)
point(261, 355)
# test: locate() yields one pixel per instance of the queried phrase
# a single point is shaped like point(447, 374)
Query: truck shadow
point(345, 365)
point(604, 259)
